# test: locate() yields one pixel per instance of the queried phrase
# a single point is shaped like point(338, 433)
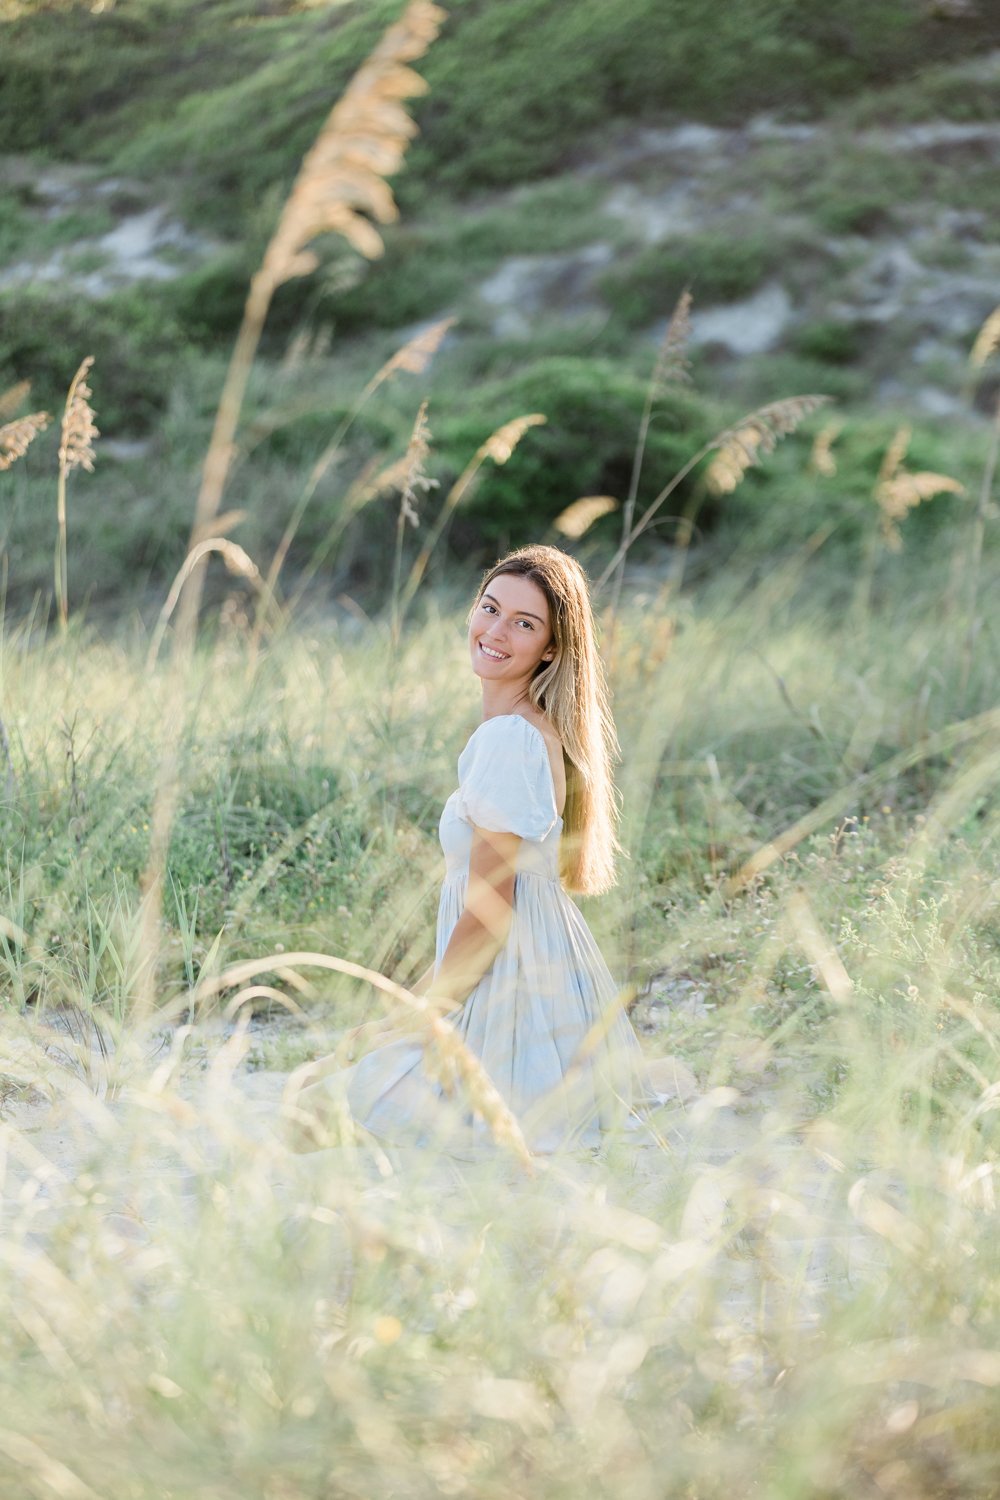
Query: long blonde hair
point(571, 691)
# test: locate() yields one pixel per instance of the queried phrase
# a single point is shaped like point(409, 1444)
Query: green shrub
point(226, 108)
point(830, 341)
point(593, 409)
point(135, 347)
point(718, 268)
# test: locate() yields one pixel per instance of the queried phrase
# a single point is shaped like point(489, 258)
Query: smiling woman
point(516, 971)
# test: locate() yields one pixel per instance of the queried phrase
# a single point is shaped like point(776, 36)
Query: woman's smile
point(510, 635)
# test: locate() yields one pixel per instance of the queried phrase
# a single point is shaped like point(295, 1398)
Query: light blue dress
point(545, 1019)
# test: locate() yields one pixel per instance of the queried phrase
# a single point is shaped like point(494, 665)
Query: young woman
point(517, 971)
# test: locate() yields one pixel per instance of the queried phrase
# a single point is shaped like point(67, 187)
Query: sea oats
point(413, 358)
point(403, 476)
point(671, 366)
point(741, 447)
point(895, 453)
point(501, 444)
point(76, 441)
point(12, 398)
point(415, 473)
point(897, 496)
point(454, 1064)
point(987, 341)
point(76, 451)
point(821, 460)
point(448, 1056)
point(736, 448)
point(340, 181)
point(498, 446)
point(369, 485)
point(416, 355)
point(415, 478)
point(16, 436)
point(671, 361)
point(237, 561)
point(576, 520)
point(340, 188)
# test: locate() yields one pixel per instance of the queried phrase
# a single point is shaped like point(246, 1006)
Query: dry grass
point(341, 179)
point(341, 187)
point(898, 491)
point(238, 562)
point(986, 343)
point(743, 446)
point(413, 477)
point(671, 366)
point(16, 437)
point(576, 520)
point(498, 447)
point(76, 451)
point(822, 460)
point(737, 448)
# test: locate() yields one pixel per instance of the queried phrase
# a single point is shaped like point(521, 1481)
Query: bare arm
point(482, 929)
point(477, 938)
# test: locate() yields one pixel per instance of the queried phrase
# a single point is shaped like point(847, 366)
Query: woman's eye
point(527, 624)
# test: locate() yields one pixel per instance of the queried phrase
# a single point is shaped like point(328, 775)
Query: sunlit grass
point(783, 1286)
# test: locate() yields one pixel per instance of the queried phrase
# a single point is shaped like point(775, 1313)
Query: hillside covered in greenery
point(556, 201)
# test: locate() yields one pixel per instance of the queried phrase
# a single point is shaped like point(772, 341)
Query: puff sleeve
point(505, 781)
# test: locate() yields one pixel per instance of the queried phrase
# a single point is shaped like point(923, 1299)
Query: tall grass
point(784, 1286)
point(786, 1289)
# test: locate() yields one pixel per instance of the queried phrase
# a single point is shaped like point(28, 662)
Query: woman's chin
point(482, 666)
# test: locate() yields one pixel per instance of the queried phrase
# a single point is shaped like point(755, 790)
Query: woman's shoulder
point(506, 782)
point(515, 731)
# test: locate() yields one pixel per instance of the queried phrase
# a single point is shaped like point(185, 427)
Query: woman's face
point(510, 631)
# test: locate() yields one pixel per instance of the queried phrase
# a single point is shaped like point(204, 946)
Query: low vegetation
point(211, 844)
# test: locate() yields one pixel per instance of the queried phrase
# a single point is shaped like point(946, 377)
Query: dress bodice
point(504, 785)
point(534, 857)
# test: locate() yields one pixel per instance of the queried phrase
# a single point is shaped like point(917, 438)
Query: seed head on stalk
point(741, 447)
point(339, 189)
point(16, 437)
point(76, 451)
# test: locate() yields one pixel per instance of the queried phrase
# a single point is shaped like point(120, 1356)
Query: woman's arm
point(481, 930)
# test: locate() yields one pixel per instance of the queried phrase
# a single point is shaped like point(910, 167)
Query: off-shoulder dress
point(544, 1019)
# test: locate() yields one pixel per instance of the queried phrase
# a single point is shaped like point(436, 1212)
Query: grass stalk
point(337, 190)
point(738, 448)
point(75, 451)
point(670, 363)
point(976, 551)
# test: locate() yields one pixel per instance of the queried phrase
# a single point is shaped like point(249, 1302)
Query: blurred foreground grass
point(787, 1286)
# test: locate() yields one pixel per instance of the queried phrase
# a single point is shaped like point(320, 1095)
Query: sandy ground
point(719, 1169)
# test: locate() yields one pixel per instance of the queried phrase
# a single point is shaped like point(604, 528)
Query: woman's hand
point(370, 1033)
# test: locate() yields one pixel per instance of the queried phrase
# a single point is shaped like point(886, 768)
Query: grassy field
point(782, 1285)
point(786, 1283)
point(794, 1290)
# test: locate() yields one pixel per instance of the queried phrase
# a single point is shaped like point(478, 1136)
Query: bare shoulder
point(547, 730)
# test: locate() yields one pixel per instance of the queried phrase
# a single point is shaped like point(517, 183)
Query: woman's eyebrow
point(527, 612)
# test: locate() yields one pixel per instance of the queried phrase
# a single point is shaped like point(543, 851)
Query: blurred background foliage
point(576, 167)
